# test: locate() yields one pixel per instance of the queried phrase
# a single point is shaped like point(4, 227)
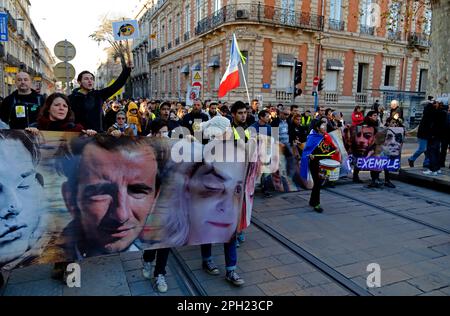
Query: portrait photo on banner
point(375, 149)
point(67, 197)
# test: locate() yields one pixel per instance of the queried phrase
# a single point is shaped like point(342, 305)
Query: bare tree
point(104, 34)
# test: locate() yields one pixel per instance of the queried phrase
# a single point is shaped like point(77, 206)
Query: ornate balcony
point(258, 13)
point(419, 39)
point(336, 25)
point(368, 30)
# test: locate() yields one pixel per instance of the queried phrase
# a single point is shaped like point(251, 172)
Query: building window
point(284, 77)
point(389, 76)
point(169, 81)
point(331, 81)
point(187, 20)
point(423, 80)
point(178, 27)
point(335, 10)
point(178, 83)
point(217, 5)
point(163, 82)
point(363, 78)
point(169, 31)
point(199, 10)
point(241, 77)
point(427, 21)
point(394, 17)
point(217, 77)
point(288, 12)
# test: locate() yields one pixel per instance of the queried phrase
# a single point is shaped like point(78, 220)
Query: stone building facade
point(335, 40)
point(24, 50)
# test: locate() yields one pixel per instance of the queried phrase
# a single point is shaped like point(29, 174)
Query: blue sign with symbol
point(3, 27)
point(266, 86)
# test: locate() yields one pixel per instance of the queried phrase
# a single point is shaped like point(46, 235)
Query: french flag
point(230, 79)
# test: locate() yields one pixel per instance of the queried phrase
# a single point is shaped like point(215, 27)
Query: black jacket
point(88, 108)
point(30, 104)
point(190, 118)
point(432, 124)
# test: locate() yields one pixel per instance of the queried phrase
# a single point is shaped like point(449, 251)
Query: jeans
point(422, 149)
point(433, 149)
point(161, 255)
point(230, 251)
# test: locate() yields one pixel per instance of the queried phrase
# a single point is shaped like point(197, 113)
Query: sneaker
point(147, 270)
point(234, 278)
point(357, 180)
point(210, 268)
point(439, 171)
point(430, 173)
point(267, 195)
point(318, 209)
point(389, 184)
point(411, 163)
point(161, 284)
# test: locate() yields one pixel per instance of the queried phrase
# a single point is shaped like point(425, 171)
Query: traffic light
point(298, 73)
point(297, 92)
point(320, 87)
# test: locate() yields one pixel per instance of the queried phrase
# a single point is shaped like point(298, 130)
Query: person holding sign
point(21, 109)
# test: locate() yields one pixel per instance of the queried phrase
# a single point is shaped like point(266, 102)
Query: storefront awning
point(285, 60)
point(185, 69)
point(214, 62)
point(334, 64)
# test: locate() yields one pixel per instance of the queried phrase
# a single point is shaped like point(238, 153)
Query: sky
point(75, 20)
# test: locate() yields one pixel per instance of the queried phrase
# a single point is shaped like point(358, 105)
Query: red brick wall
point(306, 6)
point(353, 15)
point(384, 7)
point(267, 63)
point(377, 72)
point(414, 74)
point(348, 73)
point(303, 57)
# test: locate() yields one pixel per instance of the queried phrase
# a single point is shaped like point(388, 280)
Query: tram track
point(390, 211)
point(307, 256)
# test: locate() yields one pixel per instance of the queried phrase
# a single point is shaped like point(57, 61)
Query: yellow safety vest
point(238, 137)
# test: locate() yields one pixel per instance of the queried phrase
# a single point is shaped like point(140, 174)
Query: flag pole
point(245, 82)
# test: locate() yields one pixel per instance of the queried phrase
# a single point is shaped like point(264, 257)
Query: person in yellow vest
point(306, 120)
point(239, 123)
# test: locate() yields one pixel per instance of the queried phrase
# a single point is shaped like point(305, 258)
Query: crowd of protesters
point(88, 111)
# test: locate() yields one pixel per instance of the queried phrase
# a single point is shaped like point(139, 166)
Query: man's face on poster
point(393, 143)
point(215, 201)
point(364, 138)
point(116, 192)
point(20, 194)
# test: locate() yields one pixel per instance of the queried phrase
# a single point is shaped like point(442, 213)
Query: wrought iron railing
point(177, 41)
point(153, 54)
point(368, 30)
point(163, 49)
point(336, 25)
point(186, 36)
point(169, 46)
point(395, 35)
point(419, 39)
point(261, 14)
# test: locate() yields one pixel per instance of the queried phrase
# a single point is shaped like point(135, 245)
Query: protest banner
point(67, 197)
